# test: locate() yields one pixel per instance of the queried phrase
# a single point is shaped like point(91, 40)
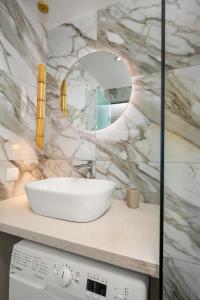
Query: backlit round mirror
point(96, 91)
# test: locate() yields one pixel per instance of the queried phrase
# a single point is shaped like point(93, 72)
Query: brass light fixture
point(63, 97)
point(43, 7)
point(41, 94)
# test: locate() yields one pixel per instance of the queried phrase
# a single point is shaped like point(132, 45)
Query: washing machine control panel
point(95, 285)
point(68, 276)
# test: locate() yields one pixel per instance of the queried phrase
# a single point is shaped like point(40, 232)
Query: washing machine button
point(77, 280)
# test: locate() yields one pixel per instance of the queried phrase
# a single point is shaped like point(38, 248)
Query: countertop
point(124, 237)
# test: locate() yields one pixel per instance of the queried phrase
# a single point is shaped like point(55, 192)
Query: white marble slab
point(21, 47)
point(17, 119)
point(183, 114)
point(182, 211)
point(133, 27)
point(182, 33)
point(181, 280)
point(69, 42)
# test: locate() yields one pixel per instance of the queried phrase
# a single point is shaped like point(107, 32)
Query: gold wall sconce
point(43, 7)
point(63, 97)
point(41, 95)
point(41, 92)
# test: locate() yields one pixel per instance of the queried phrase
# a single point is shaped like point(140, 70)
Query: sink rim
point(47, 189)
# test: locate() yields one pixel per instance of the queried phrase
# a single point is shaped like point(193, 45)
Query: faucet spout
point(90, 168)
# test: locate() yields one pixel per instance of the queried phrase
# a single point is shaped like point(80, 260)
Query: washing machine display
point(96, 287)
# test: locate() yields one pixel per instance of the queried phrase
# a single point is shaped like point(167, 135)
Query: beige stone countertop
point(124, 237)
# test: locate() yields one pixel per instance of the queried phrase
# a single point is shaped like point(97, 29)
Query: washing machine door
point(22, 289)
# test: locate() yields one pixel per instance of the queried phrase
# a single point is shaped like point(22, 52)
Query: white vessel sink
point(72, 199)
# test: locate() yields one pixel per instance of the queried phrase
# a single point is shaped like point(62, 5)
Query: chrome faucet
point(90, 168)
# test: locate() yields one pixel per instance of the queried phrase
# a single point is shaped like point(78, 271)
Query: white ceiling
point(62, 11)
point(108, 72)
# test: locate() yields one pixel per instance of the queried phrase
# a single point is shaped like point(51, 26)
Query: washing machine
point(39, 272)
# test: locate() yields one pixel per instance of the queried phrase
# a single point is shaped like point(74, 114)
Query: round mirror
point(96, 91)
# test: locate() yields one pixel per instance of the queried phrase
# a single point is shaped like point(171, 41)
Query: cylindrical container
point(133, 198)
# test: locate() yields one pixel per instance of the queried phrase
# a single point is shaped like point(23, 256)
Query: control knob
point(64, 276)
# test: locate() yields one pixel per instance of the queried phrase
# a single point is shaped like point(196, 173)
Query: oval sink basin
point(72, 199)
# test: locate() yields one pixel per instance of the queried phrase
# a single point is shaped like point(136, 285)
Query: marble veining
point(61, 58)
point(21, 49)
point(81, 85)
point(133, 27)
point(182, 208)
point(181, 280)
point(182, 33)
point(20, 41)
point(17, 118)
point(183, 107)
point(69, 42)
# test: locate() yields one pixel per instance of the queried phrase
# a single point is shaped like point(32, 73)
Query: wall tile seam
point(184, 67)
point(71, 160)
point(181, 260)
point(101, 160)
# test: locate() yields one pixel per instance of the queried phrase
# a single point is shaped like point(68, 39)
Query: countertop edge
point(132, 264)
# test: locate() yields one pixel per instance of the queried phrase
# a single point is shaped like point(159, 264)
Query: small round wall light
point(16, 147)
point(118, 58)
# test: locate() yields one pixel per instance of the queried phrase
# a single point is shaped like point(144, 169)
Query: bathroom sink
point(72, 199)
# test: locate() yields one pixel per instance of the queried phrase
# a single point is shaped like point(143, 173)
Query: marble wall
point(21, 50)
point(128, 151)
point(182, 191)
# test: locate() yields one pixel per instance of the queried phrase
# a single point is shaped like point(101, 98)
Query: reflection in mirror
point(98, 90)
